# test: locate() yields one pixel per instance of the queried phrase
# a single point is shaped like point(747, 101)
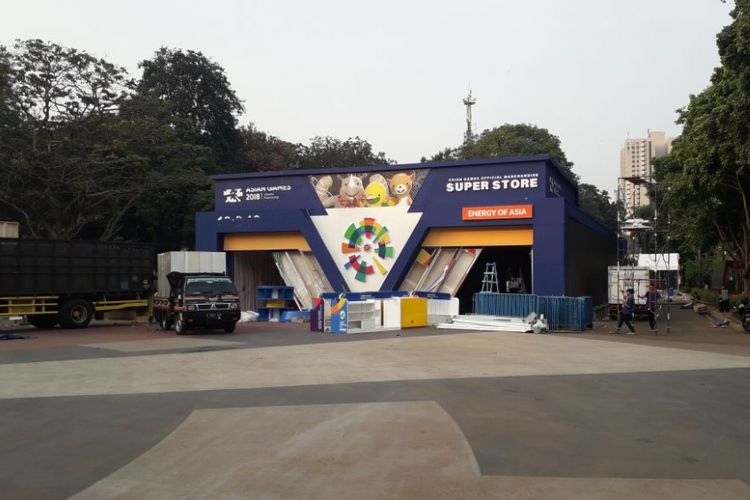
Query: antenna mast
point(469, 101)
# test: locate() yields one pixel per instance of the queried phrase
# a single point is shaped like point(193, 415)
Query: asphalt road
point(126, 411)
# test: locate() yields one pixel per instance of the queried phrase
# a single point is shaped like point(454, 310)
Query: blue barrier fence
point(562, 313)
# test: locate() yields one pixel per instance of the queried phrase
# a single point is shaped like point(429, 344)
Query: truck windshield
point(209, 286)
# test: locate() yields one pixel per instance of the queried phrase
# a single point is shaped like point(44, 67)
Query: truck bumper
point(212, 319)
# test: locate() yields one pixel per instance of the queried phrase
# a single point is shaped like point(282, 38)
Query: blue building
point(427, 226)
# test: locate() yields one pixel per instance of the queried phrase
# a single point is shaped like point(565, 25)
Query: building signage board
point(263, 193)
point(498, 212)
point(242, 194)
point(493, 182)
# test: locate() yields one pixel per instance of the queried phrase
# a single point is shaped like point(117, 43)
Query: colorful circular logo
point(367, 244)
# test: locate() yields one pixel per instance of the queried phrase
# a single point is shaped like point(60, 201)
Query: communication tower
point(469, 101)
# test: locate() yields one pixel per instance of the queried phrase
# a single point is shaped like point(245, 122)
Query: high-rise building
point(636, 166)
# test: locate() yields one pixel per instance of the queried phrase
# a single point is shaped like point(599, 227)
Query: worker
point(626, 314)
point(724, 300)
point(653, 301)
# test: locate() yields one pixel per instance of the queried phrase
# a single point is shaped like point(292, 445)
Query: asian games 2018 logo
point(368, 244)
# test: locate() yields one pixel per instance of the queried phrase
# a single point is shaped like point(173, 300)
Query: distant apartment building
point(636, 166)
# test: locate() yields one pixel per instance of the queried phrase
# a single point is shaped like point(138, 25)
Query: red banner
point(498, 212)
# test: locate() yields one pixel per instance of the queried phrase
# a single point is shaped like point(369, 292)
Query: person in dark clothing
point(724, 300)
point(653, 300)
point(626, 315)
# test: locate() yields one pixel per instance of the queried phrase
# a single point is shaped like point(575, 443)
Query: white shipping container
point(8, 229)
point(636, 278)
point(188, 262)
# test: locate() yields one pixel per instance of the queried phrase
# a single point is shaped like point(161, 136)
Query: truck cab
point(199, 300)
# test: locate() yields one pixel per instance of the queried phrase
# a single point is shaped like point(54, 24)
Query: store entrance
point(513, 273)
point(252, 269)
point(294, 268)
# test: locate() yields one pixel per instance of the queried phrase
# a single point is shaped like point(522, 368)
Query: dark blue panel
point(549, 248)
point(265, 193)
point(284, 201)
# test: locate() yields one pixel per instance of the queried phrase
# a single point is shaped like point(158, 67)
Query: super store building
point(409, 227)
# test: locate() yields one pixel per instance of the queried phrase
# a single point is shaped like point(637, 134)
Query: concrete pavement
point(289, 414)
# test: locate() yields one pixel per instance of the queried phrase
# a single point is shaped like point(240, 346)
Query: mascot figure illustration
point(401, 185)
point(351, 192)
point(323, 190)
point(376, 195)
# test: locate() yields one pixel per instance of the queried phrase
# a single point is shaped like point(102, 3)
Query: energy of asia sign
point(498, 212)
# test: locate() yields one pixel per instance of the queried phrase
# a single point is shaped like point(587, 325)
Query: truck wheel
point(76, 313)
point(43, 320)
point(229, 327)
point(179, 325)
point(164, 321)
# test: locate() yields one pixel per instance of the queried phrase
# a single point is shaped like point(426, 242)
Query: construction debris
point(248, 316)
point(701, 308)
point(720, 322)
point(479, 322)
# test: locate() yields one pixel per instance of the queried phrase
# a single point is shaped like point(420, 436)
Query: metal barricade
point(562, 313)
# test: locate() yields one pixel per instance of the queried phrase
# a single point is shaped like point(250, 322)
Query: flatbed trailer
point(72, 282)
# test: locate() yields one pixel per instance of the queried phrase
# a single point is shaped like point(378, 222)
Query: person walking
point(653, 300)
point(626, 314)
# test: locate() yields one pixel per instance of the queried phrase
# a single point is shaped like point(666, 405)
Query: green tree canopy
point(598, 204)
point(262, 151)
point(328, 151)
point(517, 140)
point(56, 83)
point(78, 154)
point(707, 182)
point(199, 92)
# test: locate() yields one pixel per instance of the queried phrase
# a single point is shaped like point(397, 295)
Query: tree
point(330, 152)
point(598, 204)
point(708, 182)
point(198, 91)
point(175, 186)
point(99, 170)
point(262, 151)
point(7, 116)
point(51, 84)
point(77, 154)
point(447, 154)
point(512, 140)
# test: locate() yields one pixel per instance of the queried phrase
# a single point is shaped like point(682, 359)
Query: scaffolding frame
point(644, 235)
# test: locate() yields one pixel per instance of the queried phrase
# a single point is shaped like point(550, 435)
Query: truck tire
point(43, 320)
point(76, 313)
point(165, 322)
point(229, 327)
point(179, 325)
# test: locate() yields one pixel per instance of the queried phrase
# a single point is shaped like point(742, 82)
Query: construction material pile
point(700, 308)
point(479, 322)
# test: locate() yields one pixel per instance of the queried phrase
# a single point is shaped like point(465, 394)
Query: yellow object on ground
point(413, 312)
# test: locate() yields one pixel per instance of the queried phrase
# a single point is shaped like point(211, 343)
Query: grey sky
point(394, 72)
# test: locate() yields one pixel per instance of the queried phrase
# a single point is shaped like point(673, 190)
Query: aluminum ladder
point(489, 280)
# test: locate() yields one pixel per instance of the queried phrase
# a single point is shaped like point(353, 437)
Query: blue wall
point(284, 201)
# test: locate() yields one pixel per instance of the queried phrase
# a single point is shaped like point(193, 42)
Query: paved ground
point(274, 411)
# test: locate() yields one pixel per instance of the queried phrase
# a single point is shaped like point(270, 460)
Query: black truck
point(204, 300)
point(71, 282)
